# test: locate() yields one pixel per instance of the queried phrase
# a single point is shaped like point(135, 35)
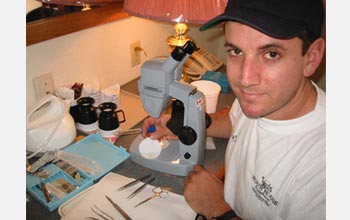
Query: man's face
point(266, 74)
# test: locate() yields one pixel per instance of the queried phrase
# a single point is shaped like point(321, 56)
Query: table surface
point(214, 159)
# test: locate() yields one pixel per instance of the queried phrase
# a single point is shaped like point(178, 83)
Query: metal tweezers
point(133, 182)
point(140, 189)
point(120, 210)
point(100, 213)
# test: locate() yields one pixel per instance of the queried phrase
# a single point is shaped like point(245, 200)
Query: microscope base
point(167, 162)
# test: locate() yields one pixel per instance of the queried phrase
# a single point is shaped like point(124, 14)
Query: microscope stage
point(167, 162)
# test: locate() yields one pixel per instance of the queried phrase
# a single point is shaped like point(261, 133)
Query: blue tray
point(94, 147)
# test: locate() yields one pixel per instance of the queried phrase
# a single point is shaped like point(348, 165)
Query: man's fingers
point(198, 168)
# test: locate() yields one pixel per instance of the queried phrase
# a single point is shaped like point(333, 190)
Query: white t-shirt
point(277, 169)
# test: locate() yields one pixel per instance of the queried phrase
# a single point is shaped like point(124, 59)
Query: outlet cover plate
point(43, 85)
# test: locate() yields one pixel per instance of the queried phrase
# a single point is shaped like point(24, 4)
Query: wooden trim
point(45, 29)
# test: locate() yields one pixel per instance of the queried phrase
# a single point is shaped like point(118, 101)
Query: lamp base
point(180, 38)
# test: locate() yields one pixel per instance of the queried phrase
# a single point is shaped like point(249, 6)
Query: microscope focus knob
point(187, 155)
point(187, 135)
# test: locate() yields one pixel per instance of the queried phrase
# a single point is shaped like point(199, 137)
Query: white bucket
point(211, 92)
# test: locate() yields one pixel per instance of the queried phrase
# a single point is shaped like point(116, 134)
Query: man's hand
point(161, 132)
point(204, 192)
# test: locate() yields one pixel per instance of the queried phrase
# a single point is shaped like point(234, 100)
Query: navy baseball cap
point(277, 18)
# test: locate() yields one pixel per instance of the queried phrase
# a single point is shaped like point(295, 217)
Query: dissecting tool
point(100, 213)
point(133, 182)
point(132, 131)
point(45, 191)
point(138, 190)
point(157, 192)
point(120, 210)
point(151, 129)
point(128, 132)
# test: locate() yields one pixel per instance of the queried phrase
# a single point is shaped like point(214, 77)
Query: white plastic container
point(49, 126)
point(211, 91)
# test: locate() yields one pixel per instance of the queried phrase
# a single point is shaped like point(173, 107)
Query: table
point(214, 159)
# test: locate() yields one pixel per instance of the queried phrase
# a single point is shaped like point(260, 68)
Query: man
point(275, 159)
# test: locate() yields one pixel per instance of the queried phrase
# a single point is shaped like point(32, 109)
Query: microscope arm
point(186, 134)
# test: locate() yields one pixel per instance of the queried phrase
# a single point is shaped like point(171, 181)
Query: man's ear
point(313, 56)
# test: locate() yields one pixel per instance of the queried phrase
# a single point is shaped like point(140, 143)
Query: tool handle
point(45, 191)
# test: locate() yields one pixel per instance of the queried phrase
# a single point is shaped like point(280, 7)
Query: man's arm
point(204, 192)
point(220, 126)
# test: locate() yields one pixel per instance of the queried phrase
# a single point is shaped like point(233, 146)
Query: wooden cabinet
point(45, 29)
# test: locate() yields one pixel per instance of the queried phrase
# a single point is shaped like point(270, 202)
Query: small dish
point(150, 149)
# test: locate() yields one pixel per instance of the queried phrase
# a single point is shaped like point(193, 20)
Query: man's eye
point(235, 52)
point(272, 55)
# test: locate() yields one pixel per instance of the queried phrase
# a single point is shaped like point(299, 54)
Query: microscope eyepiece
point(189, 47)
point(178, 53)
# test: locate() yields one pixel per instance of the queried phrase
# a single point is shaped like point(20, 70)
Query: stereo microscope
point(159, 86)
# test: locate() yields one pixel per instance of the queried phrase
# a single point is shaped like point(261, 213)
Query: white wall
point(32, 4)
point(103, 52)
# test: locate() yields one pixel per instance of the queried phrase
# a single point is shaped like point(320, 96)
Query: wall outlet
point(135, 53)
point(43, 85)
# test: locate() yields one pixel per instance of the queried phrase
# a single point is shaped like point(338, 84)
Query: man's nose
point(250, 72)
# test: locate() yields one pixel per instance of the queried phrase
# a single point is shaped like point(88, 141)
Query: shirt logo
point(234, 137)
point(263, 191)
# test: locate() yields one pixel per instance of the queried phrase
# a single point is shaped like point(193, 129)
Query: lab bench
point(214, 159)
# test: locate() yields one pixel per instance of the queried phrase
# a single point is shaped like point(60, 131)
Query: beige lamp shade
point(184, 11)
point(181, 12)
point(79, 2)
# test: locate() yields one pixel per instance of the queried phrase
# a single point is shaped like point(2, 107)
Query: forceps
point(157, 192)
point(133, 182)
point(140, 188)
point(100, 213)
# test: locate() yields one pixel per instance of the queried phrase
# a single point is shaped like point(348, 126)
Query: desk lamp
point(177, 11)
